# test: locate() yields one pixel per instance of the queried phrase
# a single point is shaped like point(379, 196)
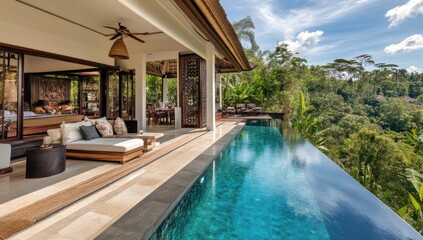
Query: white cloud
point(321, 48)
point(409, 44)
point(412, 69)
point(399, 13)
point(296, 20)
point(303, 41)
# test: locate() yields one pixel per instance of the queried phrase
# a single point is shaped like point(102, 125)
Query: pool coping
point(144, 218)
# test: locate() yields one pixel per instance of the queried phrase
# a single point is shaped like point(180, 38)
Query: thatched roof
point(210, 18)
point(169, 67)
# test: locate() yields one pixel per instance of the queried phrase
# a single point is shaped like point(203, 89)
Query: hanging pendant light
point(119, 50)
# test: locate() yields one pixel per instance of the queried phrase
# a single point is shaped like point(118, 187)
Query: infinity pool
point(272, 184)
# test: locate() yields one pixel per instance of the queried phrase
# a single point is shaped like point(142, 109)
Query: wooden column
point(193, 85)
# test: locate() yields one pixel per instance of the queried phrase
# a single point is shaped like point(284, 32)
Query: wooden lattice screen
point(54, 90)
point(193, 90)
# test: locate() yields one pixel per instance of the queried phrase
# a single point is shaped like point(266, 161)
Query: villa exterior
point(42, 41)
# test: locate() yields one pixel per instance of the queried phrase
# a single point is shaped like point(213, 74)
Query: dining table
point(168, 111)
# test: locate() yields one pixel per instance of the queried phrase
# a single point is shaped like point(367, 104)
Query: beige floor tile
point(82, 228)
point(91, 215)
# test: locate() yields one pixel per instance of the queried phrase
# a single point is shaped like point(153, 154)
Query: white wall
point(25, 37)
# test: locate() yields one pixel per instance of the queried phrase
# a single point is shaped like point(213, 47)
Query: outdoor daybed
point(83, 141)
point(106, 149)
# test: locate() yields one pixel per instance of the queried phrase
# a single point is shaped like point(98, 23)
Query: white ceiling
point(32, 14)
point(86, 12)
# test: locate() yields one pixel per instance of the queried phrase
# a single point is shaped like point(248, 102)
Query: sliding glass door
point(9, 95)
point(127, 95)
point(120, 95)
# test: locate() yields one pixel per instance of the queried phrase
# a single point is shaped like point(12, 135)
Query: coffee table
point(45, 162)
point(149, 138)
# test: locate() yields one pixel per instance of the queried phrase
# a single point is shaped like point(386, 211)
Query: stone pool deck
point(133, 206)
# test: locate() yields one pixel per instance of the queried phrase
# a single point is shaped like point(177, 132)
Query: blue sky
point(323, 30)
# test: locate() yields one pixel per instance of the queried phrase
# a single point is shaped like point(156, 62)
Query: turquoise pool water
point(272, 184)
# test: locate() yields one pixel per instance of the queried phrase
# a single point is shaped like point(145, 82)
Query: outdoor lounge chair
point(240, 108)
point(253, 109)
point(229, 111)
point(250, 108)
point(258, 110)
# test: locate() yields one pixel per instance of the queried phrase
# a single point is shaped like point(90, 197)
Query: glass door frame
point(19, 90)
point(119, 106)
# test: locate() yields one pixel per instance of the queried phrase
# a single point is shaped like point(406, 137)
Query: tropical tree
point(365, 60)
point(154, 89)
point(306, 123)
point(373, 159)
point(244, 30)
point(394, 114)
point(414, 208)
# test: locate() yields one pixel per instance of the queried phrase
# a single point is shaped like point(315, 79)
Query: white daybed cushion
point(106, 144)
point(71, 132)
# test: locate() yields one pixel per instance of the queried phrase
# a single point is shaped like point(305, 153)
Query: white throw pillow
point(55, 134)
point(94, 120)
point(71, 132)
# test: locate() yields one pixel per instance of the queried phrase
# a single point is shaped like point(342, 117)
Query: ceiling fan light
point(119, 50)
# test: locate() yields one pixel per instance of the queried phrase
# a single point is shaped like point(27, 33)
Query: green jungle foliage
point(366, 116)
point(154, 90)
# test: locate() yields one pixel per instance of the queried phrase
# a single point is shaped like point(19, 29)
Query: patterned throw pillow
point(104, 128)
point(120, 126)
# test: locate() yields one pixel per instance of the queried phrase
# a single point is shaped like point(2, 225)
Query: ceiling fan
point(123, 31)
point(118, 49)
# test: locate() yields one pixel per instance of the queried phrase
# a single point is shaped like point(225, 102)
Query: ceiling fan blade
point(115, 36)
point(146, 33)
point(121, 27)
point(138, 39)
point(116, 29)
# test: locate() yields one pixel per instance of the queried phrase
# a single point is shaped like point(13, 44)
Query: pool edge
point(145, 217)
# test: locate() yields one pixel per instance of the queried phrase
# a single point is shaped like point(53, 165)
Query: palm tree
point(243, 29)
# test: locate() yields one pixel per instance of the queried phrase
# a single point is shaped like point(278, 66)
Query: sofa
point(83, 140)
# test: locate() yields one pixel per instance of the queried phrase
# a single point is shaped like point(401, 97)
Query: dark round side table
point(45, 162)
